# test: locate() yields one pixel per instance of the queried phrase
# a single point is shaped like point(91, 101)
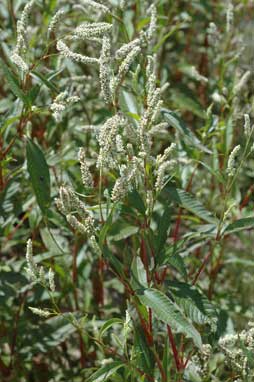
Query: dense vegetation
point(126, 191)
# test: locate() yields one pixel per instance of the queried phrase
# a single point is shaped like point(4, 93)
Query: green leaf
point(13, 83)
point(129, 106)
point(33, 93)
point(217, 174)
point(130, 102)
point(120, 231)
point(187, 201)
point(168, 312)
point(228, 135)
point(116, 265)
point(135, 200)
point(108, 324)
point(105, 228)
point(239, 225)
point(50, 242)
point(105, 372)
point(163, 227)
point(143, 352)
point(194, 303)
point(39, 174)
point(236, 260)
point(180, 126)
point(138, 271)
point(7, 122)
point(164, 38)
point(142, 23)
point(176, 261)
point(134, 116)
point(46, 82)
point(49, 334)
point(169, 251)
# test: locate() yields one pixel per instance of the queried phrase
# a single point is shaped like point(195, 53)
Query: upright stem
point(202, 267)
point(177, 358)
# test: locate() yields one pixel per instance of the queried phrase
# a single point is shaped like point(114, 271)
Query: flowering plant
point(136, 176)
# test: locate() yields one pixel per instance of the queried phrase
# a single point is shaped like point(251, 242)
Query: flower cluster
point(96, 6)
point(35, 273)
point(153, 106)
point(199, 363)
point(105, 70)
point(128, 176)
point(247, 128)
point(108, 141)
point(21, 45)
point(86, 176)
point(55, 21)
point(125, 66)
point(213, 35)
point(123, 51)
point(197, 76)
point(60, 103)
point(231, 161)
point(77, 214)
point(240, 85)
point(77, 57)
point(40, 312)
point(230, 16)
point(163, 164)
point(153, 22)
point(91, 30)
point(32, 269)
point(236, 348)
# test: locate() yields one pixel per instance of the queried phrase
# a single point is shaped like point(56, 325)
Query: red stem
point(202, 267)
point(142, 373)
point(187, 360)
point(177, 358)
point(163, 374)
point(247, 197)
point(150, 320)
point(177, 226)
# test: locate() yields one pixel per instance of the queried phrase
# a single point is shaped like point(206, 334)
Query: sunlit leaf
point(168, 312)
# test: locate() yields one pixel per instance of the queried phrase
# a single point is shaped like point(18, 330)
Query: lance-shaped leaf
point(168, 312)
point(108, 324)
point(175, 121)
point(239, 225)
point(163, 227)
point(39, 175)
point(177, 262)
point(105, 372)
point(138, 271)
point(143, 351)
point(194, 303)
point(187, 201)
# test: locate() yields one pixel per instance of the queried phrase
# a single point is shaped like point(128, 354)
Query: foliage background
point(210, 114)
